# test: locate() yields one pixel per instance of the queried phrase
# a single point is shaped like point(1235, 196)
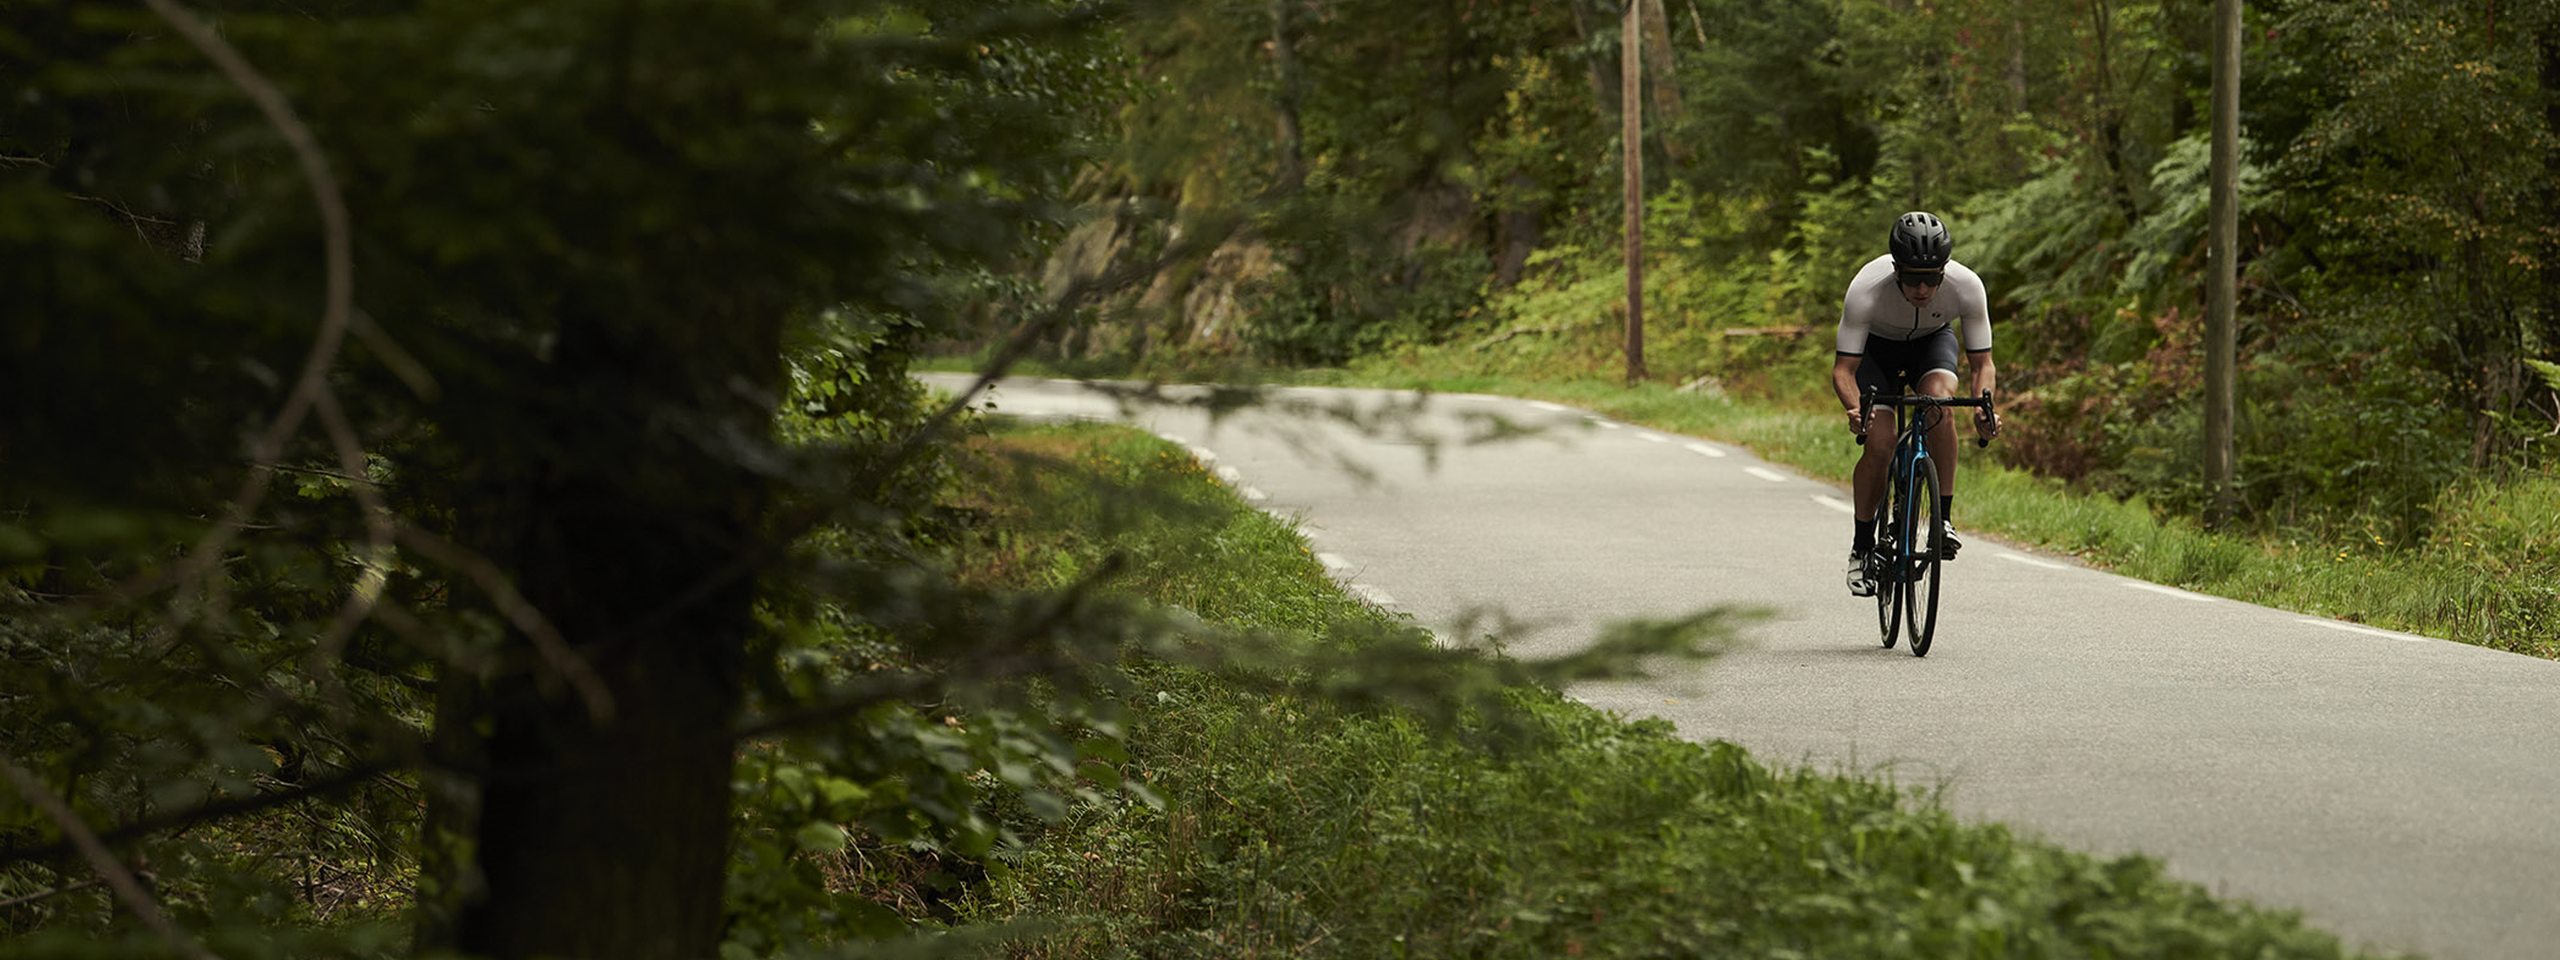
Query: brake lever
point(1979, 441)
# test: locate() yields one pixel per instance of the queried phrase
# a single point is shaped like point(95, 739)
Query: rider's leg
point(1942, 453)
point(1866, 492)
point(1866, 480)
point(1866, 485)
point(1942, 434)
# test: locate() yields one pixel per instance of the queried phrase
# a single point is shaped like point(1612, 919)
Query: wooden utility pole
point(1631, 143)
point(2222, 280)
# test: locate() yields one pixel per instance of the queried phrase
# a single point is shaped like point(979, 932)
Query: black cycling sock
point(1865, 537)
point(1947, 507)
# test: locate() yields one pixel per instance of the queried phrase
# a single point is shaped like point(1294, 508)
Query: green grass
point(1301, 828)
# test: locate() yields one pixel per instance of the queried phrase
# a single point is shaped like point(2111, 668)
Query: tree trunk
point(1631, 146)
point(1519, 233)
point(1604, 91)
point(2550, 273)
point(2108, 116)
point(1284, 63)
point(1663, 73)
point(2221, 453)
point(604, 833)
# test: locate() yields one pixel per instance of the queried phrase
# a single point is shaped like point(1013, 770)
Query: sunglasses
point(1930, 279)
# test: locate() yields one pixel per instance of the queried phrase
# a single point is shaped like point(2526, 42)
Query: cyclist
point(1898, 332)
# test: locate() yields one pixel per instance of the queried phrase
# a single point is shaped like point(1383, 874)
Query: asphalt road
point(2400, 791)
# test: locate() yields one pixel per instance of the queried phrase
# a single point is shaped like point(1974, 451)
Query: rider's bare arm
point(1986, 379)
point(1844, 384)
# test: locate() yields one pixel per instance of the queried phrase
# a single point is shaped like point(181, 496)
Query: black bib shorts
point(1894, 367)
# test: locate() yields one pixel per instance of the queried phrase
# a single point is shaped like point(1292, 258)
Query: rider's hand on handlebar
point(1986, 423)
point(1857, 420)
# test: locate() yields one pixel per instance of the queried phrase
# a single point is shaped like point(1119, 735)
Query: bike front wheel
point(1923, 516)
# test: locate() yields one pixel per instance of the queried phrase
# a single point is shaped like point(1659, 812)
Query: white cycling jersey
point(1874, 307)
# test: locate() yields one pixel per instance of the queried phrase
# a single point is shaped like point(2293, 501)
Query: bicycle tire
point(1888, 597)
point(1888, 589)
point(1920, 592)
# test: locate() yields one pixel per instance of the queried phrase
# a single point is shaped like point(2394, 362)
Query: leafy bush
point(1343, 296)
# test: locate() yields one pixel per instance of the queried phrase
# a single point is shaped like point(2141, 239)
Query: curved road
point(2402, 792)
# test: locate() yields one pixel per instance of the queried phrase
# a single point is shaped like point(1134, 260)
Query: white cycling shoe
point(1861, 584)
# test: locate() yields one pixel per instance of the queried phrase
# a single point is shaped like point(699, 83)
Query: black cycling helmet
point(1920, 242)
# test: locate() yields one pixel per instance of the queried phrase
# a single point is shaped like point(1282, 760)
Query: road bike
point(1904, 564)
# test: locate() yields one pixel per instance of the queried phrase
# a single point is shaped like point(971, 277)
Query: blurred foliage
point(636, 287)
point(594, 584)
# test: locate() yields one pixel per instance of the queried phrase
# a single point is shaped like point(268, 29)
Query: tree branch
point(379, 558)
point(545, 637)
point(41, 895)
point(338, 262)
point(128, 889)
point(77, 835)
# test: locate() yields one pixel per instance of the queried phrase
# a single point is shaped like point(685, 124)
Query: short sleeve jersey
point(1874, 307)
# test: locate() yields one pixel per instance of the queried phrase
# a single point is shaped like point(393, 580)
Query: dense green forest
point(459, 491)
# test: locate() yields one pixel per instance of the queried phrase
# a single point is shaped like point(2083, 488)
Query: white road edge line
point(1230, 475)
point(1549, 407)
point(1333, 561)
point(1204, 454)
point(1184, 441)
point(1655, 437)
point(2367, 631)
point(1705, 451)
point(1252, 494)
point(2031, 561)
point(1765, 473)
point(2171, 591)
point(1371, 594)
point(1607, 424)
point(1835, 503)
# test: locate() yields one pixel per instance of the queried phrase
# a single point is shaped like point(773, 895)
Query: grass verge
point(1299, 827)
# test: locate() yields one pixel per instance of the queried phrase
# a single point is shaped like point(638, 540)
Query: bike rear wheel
point(1888, 587)
point(1888, 591)
point(1923, 516)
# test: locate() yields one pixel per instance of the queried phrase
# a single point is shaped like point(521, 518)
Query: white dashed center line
point(2367, 631)
point(2171, 591)
point(2030, 561)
